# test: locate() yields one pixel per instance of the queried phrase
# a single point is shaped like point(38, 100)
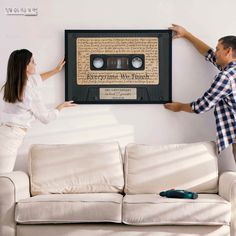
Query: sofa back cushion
point(76, 168)
point(152, 169)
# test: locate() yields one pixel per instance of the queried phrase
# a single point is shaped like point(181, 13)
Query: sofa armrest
point(227, 190)
point(227, 186)
point(14, 186)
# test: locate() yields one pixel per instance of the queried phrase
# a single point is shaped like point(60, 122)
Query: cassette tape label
point(121, 55)
point(118, 93)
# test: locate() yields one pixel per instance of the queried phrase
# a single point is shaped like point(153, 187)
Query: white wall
point(152, 124)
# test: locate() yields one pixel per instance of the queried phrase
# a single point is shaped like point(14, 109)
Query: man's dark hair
point(229, 42)
point(16, 75)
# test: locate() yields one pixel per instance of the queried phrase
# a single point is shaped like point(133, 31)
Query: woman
point(22, 104)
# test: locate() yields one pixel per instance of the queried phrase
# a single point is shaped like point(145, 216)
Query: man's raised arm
point(181, 32)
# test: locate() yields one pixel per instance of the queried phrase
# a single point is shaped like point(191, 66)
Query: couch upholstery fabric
point(70, 208)
point(152, 209)
point(151, 169)
point(76, 168)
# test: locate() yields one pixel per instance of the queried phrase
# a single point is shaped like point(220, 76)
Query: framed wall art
point(118, 66)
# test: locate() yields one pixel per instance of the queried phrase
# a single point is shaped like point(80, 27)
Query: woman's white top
point(21, 114)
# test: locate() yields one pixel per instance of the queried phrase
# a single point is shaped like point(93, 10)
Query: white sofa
point(91, 189)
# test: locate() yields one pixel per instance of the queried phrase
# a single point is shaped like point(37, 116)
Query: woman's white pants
point(11, 138)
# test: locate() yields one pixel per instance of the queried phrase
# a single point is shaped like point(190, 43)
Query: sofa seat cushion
point(70, 208)
point(152, 209)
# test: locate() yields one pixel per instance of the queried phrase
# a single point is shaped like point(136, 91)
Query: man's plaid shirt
point(222, 96)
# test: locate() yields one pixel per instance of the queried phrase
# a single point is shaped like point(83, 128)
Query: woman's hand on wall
point(60, 65)
point(66, 104)
point(54, 71)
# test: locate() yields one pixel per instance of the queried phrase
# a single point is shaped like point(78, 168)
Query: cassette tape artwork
point(118, 66)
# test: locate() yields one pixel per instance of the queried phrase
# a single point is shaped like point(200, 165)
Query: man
point(222, 93)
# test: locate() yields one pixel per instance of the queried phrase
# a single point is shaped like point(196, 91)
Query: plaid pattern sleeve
point(210, 56)
point(219, 89)
point(222, 96)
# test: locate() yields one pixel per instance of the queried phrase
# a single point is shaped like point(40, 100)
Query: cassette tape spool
point(117, 62)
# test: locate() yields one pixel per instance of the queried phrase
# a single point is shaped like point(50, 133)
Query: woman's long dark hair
point(16, 75)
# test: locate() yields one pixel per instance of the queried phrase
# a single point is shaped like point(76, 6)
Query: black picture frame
point(146, 94)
